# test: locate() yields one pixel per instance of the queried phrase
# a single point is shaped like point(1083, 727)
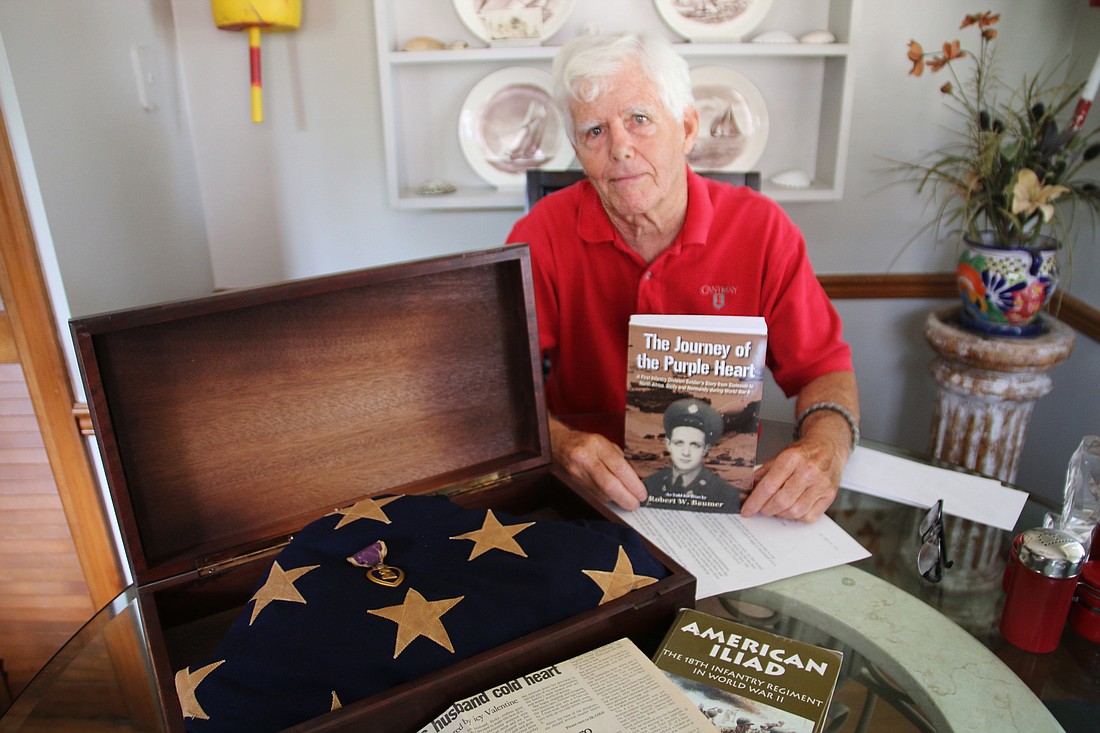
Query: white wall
point(117, 182)
point(304, 193)
point(148, 206)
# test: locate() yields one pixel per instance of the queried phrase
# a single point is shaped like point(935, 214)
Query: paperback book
point(743, 678)
point(693, 391)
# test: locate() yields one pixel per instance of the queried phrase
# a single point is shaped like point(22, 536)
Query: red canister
point(1041, 588)
point(1084, 616)
point(1011, 561)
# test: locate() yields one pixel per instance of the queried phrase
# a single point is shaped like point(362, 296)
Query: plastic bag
point(1081, 504)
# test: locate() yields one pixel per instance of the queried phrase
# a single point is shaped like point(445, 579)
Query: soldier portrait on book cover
point(692, 427)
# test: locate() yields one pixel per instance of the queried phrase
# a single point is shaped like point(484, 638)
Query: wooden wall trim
point(888, 287)
point(1075, 313)
point(1079, 315)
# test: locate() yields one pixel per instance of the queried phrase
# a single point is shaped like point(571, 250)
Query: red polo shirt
point(737, 254)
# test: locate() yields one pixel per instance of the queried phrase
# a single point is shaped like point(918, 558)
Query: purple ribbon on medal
point(373, 558)
point(370, 555)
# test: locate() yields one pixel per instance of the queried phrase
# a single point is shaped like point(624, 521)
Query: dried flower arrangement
point(1021, 156)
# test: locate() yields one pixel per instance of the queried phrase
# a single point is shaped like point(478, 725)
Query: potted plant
point(1008, 184)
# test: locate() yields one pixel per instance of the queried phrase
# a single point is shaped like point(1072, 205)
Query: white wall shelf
point(807, 89)
point(687, 50)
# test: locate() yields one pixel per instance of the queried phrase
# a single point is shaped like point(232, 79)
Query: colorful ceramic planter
point(1003, 289)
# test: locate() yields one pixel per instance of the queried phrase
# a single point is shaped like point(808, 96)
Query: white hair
point(584, 64)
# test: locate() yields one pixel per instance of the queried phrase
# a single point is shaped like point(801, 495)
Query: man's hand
point(598, 464)
point(799, 483)
point(802, 481)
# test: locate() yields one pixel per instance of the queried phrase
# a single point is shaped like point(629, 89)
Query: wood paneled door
point(58, 559)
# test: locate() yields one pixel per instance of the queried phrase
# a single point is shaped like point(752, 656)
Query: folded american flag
point(391, 588)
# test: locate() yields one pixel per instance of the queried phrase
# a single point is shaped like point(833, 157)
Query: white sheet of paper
point(911, 482)
point(727, 552)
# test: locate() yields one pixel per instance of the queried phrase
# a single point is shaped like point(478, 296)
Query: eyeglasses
point(932, 557)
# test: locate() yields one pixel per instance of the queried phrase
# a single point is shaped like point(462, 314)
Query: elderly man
point(645, 234)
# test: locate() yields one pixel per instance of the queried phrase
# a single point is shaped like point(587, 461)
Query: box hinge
point(240, 556)
point(482, 483)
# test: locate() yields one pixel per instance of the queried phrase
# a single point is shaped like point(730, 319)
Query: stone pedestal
point(987, 387)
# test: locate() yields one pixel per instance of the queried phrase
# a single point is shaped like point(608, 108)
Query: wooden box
point(228, 422)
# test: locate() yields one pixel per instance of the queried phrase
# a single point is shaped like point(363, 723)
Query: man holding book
point(645, 234)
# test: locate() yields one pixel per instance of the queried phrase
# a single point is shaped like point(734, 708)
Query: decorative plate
point(509, 123)
point(477, 15)
point(713, 20)
point(733, 121)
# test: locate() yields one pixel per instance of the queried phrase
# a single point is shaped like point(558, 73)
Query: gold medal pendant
point(373, 558)
point(386, 575)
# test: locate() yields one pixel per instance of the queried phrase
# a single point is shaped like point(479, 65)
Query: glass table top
point(102, 680)
point(893, 627)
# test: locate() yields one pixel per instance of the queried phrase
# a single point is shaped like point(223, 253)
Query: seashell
point(457, 45)
point(817, 37)
point(775, 37)
point(791, 179)
point(435, 187)
point(423, 43)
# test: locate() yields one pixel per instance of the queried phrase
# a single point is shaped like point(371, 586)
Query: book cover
point(747, 679)
point(693, 391)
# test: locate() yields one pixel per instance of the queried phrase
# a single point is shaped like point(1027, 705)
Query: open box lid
point(228, 421)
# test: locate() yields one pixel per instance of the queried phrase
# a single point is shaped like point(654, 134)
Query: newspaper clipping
point(613, 689)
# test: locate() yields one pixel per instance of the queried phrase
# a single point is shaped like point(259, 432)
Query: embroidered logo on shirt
point(717, 294)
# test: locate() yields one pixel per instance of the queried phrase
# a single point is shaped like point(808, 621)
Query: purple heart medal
point(373, 558)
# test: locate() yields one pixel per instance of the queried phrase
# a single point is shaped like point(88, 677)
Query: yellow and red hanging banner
point(255, 16)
